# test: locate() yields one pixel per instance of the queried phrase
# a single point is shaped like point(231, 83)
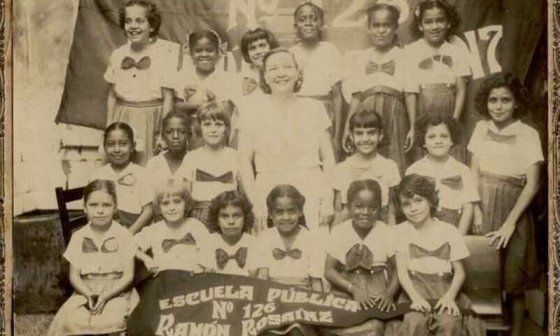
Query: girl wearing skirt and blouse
point(377, 79)
point(430, 256)
point(360, 260)
point(101, 256)
point(287, 252)
point(440, 66)
point(140, 74)
point(507, 158)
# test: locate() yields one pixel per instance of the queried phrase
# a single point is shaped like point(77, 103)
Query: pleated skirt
point(390, 104)
point(520, 267)
point(145, 120)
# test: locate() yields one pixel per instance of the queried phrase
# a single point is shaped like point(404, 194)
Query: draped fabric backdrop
point(499, 34)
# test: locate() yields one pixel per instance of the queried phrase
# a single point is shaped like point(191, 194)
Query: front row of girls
point(361, 260)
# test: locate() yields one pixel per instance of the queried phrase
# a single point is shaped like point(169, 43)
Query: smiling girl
point(204, 82)
point(439, 64)
point(457, 192)
point(254, 45)
point(176, 240)
point(378, 78)
point(139, 73)
point(132, 187)
point(212, 168)
point(507, 160)
point(430, 256)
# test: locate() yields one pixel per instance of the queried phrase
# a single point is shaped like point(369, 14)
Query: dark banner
point(176, 303)
point(498, 33)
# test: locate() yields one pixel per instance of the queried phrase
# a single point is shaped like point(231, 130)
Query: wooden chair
point(64, 196)
point(483, 285)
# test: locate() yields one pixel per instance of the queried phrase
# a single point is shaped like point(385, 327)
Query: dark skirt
point(433, 287)
point(440, 99)
point(145, 120)
point(520, 267)
point(450, 216)
point(374, 283)
point(390, 103)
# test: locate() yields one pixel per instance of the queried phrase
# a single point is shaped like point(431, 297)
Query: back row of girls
point(427, 76)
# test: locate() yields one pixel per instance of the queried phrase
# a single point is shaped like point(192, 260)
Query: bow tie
point(222, 257)
point(442, 253)
point(167, 244)
point(129, 62)
point(387, 67)
point(109, 245)
point(501, 138)
point(127, 180)
point(428, 63)
point(454, 182)
point(358, 256)
point(280, 254)
point(202, 176)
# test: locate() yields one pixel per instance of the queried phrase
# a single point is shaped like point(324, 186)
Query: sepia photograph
point(279, 167)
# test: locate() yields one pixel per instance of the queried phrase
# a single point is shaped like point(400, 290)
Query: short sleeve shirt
point(131, 184)
point(177, 249)
point(138, 85)
point(381, 241)
point(362, 71)
point(320, 68)
point(454, 181)
point(380, 169)
point(109, 253)
point(294, 145)
point(159, 173)
point(311, 263)
point(442, 66)
point(509, 151)
point(244, 249)
point(211, 175)
point(431, 253)
point(223, 84)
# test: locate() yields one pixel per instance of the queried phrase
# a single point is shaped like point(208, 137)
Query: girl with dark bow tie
point(457, 192)
point(140, 75)
point(288, 252)
point(101, 257)
point(232, 247)
point(507, 159)
point(175, 241)
point(360, 258)
point(430, 269)
point(438, 64)
point(376, 78)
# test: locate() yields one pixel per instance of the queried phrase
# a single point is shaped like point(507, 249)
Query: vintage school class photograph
point(280, 167)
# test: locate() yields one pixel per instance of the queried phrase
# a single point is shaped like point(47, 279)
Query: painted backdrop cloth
point(517, 23)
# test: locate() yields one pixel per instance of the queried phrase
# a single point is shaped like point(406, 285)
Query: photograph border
point(6, 166)
point(6, 123)
point(553, 169)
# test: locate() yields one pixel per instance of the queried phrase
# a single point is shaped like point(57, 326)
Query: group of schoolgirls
point(198, 203)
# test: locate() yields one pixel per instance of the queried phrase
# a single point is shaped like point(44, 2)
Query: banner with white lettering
point(178, 303)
